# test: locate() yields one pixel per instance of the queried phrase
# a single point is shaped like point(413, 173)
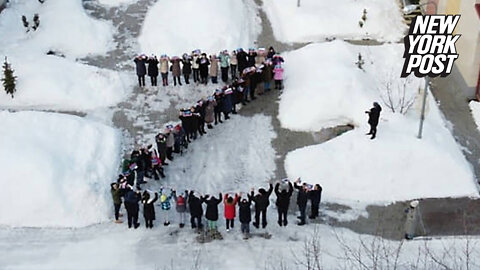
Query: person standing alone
point(373, 116)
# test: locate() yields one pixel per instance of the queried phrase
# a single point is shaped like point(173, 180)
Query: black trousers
point(132, 214)
point(263, 213)
point(196, 221)
point(157, 170)
point(165, 79)
point(282, 216)
point(302, 209)
point(229, 223)
point(148, 223)
point(314, 210)
point(141, 80)
point(186, 77)
point(224, 74)
point(218, 117)
point(278, 84)
point(169, 153)
point(175, 78)
point(233, 70)
point(117, 210)
point(153, 80)
point(196, 75)
point(373, 130)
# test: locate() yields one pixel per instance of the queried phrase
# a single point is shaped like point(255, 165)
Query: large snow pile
point(316, 20)
point(396, 165)
point(179, 26)
point(55, 169)
point(58, 81)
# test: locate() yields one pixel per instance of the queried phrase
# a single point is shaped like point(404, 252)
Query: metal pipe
point(422, 115)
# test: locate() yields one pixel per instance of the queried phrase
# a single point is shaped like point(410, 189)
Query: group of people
point(190, 201)
point(255, 65)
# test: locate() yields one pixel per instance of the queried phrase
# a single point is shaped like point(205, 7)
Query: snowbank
point(114, 3)
point(316, 20)
point(56, 169)
point(351, 167)
point(174, 27)
point(475, 109)
point(58, 81)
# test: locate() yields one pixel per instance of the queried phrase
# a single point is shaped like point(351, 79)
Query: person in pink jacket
point(278, 76)
point(230, 204)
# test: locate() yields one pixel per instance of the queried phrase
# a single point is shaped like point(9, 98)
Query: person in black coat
point(373, 116)
point(212, 210)
point(251, 58)
point(315, 196)
point(241, 60)
point(196, 211)
point(203, 63)
point(131, 205)
point(187, 67)
point(302, 199)
point(261, 204)
point(218, 109)
point(141, 69)
point(245, 213)
point(161, 141)
point(153, 69)
point(199, 110)
point(149, 208)
point(271, 52)
point(283, 201)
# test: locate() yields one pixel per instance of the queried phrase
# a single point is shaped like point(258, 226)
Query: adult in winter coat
point(203, 66)
point(373, 116)
point(278, 77)
point(224, 65)
point(302, 199)
point(149, 208)
point(161, 141)
point(267, 75)
point(199, 110)
point(131, 204)
point(271, 52)
point(242, 60)
point(260, 58)
point(157, 168)
point(186, 68)
point(153, 69)
point(214, 68)
point(251, 57)
point(315, 195)
point(164, 69)
point(176, 70)
point(227, 102)
point(245, 214)
point(117, 200)
point(170, 141)
point(219, 107)
point(229, 209)
point(141, 69)
point(196, 66)
point(211, 103)
point(211, 213)
point(196, 211)
point(233, 64)
point(283, 201)
point(180, 206)
point(166, 206)
point(262, 202)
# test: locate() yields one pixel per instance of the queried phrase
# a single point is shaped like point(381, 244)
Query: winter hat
point(163, 198)
point(210, 98)
point(414, 203)
point(169, 127)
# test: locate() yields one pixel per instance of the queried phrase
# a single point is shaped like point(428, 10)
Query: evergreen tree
point(8, 79)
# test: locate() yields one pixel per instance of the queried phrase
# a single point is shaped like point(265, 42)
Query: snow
point(58, 81)
point(475, 109)
point(114, 3)
point(56, 169)
point(175, 27)
point(352, 168)
point(317, 20)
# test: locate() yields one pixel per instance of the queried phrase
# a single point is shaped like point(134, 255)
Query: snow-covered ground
point(56, 169)
point(352, 168)
point(58, 81)
point(175, 27)
point(316, 20)
point(475, 109)
point(114, 3)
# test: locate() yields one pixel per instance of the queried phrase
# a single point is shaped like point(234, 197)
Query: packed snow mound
point(317, 20)
point(114, 3)
point(475, 109)
point(175, 27)
point(56, 169)
point(324, 87)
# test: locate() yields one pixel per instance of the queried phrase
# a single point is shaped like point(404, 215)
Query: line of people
point(267, 65)
point(190, 201)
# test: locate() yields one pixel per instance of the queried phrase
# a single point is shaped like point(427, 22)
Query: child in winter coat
point(315, 195)
point(181, 206)
point(157, 168)
point(176, 70)
point(117, 200)
point(213, 68)
point(224, 64)
point(278, 76)
point(170, 141)
point(196, 211)
point(166, 205)
point(233, 64)
point(218, 109)
point(164, 69)
point(210, 105)
point(261, 204)
point(196, 65)
point(229, 209)
point(203, 67)
point(212, 211)
point(153, 69)
point(187, 67)
point(245, 214)
point(141, 68)
point(283, 201)
point(149, 208)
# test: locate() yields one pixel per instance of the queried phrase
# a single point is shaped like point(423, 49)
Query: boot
point(209, 126)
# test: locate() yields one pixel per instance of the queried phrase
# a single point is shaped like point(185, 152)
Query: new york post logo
point(430, 46)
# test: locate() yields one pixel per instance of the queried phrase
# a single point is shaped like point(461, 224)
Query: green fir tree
point(8, 80)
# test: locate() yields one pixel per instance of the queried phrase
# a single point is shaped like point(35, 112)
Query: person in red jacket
point(230, 204)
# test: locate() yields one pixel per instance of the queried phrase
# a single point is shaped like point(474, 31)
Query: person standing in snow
point(233, 64)
point(199, 110)
point(373, 116)
point(211, 103)
point(196, 65)
point(227, 101)
point(187, 67)
point(262, 201)
point(149, 208)
point(302, 199)
point(315, 195)
point(219, 107)
point(164, 69)
point(278, 76)
point(271, 52)
point(196, 211)
point(166, 206)
point(245, 214)
point(170, 141)
point(229, 209)
point(283, 201)
point(180, 206)
point(203, 66)
point(267, 75)
point(153, 69)
point(117, 200)
point(161, 141)
point(214, 68)
point(131, 205)
point(224, 65)
point(211, 213)
point(251, 57)
point(141, 68)
point(242, 60)
point(176, 70)
point(157, 168)
point(411, 222)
